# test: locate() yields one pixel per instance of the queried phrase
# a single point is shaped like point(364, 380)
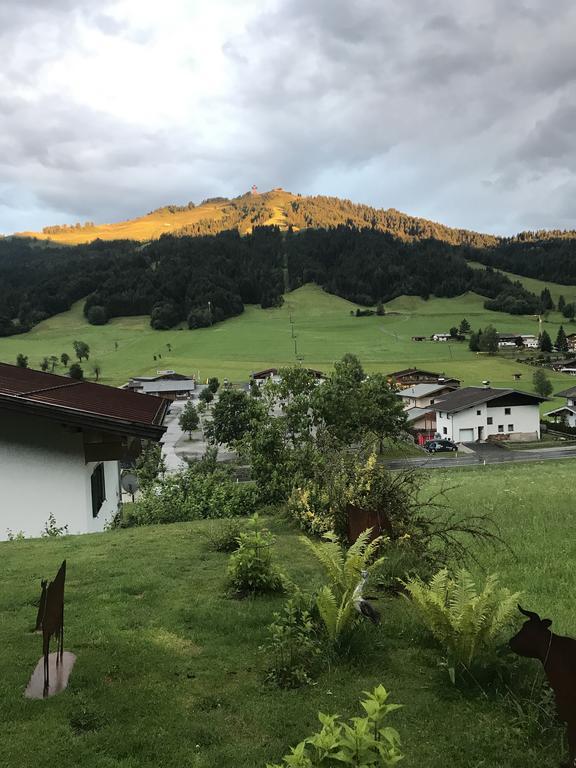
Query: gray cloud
point(457, 111)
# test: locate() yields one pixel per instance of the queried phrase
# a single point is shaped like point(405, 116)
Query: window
point(489, 420)
point(500, 427)
point(510, 427)
point(444, 431)
point(507, 411)
point(478, 413)
point(98, 489)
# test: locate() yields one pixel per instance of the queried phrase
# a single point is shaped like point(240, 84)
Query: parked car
point(433, 446)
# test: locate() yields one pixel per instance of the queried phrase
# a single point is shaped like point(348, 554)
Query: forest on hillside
point(205, 279)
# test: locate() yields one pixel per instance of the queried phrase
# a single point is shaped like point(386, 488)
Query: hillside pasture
point(169, 671)
point(324, 327)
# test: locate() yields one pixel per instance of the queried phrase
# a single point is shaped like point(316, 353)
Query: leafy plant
point(52, 529)
point(365, 743)
point(222, 535)
point(292, 647)
point(343, 567)
point(14, 536)
point(251, 569)
point(466, 621)
point(192, 494)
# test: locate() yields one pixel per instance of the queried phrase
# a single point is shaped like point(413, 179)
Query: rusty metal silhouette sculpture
point(558, 656)
point(50, 620)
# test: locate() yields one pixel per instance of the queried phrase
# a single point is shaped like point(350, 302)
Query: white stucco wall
point(43, 471)
point(524, 418)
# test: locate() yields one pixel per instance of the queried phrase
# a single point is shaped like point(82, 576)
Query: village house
point(273, 374)
point(441, 337)
point(483, 413)
point(423, 395)
point(61, 441)
point(167, 384)
point(527, 340)
point(407, 377)
point(567, 413)
point(571, 339)
point(418, 401)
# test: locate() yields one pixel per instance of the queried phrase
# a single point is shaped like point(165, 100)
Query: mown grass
point(325, 330)
point(169, 672)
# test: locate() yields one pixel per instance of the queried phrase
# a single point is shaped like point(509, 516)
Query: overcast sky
point(459, 111)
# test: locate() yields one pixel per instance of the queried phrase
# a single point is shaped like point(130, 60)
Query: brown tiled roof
point(81, 402)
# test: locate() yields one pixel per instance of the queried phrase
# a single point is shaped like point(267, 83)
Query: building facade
point(476, 414)
point(60, 446)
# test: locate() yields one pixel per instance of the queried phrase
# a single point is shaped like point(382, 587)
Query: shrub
point(251, 569)
point(343, 567)
point(466, 622)
point(292, 648)
point(365, 743)
point(223, 535)
point(96, 315)
point(52, 529)
point(310, 506)
point(192, 494)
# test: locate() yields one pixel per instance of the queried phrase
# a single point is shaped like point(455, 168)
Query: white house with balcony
point(567, 413)
point(475, 414)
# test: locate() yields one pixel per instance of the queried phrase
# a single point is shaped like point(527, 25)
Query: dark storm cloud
point(456, 110)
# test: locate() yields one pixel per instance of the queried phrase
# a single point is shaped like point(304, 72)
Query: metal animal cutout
point(50, 620)
point(558, 656)
point(362, 605)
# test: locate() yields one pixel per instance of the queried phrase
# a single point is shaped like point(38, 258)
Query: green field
point(537, 286)
point(324, 330)
point(169, 672)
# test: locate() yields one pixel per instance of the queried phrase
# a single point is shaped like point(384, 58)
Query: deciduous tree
point(189, 419)
point(542, 384)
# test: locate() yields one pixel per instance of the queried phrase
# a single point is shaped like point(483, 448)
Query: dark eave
point(77, 417)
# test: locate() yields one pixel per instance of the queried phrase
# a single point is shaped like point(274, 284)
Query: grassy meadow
point(169, 673)
point(324, 329)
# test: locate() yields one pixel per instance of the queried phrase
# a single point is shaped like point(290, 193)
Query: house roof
point(180, 385)
point(166, 376)
point(564, 409)
point(421, 390)
point(413, 414)
point(467, 397)
point(570, 392)
point(81, 403)
point(266, 373)
point(412, 371)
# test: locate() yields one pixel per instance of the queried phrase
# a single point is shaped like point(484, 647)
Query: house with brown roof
point(61, 442)
point(475, 414)
point(407, 377)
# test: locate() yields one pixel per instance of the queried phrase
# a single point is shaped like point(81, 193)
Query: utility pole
point(210, 311)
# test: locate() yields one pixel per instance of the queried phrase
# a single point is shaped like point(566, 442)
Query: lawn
point(169, 673)
point(324, 329)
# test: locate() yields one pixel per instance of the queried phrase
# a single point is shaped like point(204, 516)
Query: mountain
point(274, 208)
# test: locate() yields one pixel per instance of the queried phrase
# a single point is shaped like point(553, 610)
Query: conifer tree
point(545, 342)
point(561, 341)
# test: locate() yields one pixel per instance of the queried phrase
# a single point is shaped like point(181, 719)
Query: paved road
point(176, 447)
point(485, 454)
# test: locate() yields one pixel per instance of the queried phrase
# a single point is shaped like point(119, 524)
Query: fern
point(465, 621)
point(343, 568)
